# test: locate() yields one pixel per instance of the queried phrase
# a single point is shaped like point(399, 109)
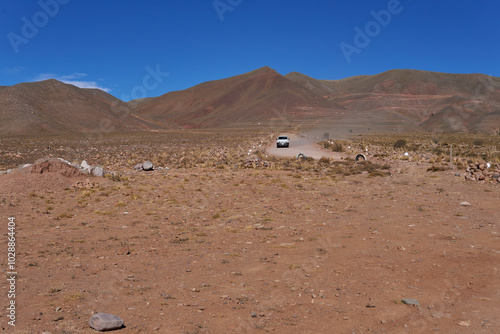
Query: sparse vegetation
point(400, 143)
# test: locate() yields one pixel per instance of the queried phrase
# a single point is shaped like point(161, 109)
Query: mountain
point(262, 95)
point(410, 100)
point(393, 101)
point(50, 107)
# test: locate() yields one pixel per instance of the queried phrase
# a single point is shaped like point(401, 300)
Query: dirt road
point(301, 144)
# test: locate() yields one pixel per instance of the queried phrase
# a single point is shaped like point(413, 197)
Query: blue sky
point(144, 48)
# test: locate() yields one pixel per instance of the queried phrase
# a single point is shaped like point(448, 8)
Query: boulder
point(52, 165)
point(105, 322)
point(98, 171)
point(148, 166)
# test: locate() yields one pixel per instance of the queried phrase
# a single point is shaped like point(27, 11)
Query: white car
point(282, 141)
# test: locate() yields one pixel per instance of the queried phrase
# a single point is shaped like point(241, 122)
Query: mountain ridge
point(395, 100)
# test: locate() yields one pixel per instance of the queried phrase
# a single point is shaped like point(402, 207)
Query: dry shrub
point(400, 143)
point(436, 168)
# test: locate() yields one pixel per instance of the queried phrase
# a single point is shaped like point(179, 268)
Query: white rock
point(85, 165)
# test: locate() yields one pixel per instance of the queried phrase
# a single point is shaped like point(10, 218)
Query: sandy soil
point(301, 144)
point(255, 251)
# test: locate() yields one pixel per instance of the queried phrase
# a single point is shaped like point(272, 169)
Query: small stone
point(464, 323)
point(254, 315)
point(123, 251)
point(147, 166)
point(105, 322)
point(465, 204)
point(369, 305)
point(410, 301)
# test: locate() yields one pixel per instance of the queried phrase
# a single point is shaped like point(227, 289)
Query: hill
point(411, 100)
point(393, 101)
point(260, 96)
point(51, 107)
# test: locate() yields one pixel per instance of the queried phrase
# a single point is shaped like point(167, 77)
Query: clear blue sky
point(114, 44)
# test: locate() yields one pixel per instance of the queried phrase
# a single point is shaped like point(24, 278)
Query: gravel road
point(301, 144)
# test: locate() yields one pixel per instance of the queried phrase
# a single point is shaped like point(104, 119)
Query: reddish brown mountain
point(260, 96)
point(408, 100)
point(393, 101)
point(50, 106)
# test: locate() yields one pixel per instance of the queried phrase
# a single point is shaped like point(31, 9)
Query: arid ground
point(217, 246)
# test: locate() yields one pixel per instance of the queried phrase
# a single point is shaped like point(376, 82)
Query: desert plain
point(224, 237)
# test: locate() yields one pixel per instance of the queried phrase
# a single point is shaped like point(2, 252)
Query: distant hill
point(51, 107)
point(393, 101)
point(411, 100)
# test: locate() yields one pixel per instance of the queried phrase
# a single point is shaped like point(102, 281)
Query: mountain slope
point(411, 99)
point(393, 101)
point(50, 106)
point(259, 96)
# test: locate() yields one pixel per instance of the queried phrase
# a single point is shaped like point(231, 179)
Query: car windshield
point(282, 137)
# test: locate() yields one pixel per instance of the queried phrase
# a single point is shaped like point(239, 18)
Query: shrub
point(400, 143)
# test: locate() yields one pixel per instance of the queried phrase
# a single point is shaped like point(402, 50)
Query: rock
point(105, 322)
point(64, 161)
point(51, 165)
point(410, 301)
point(98, 171)
point(85, 165)
point(465, 204)
point(482, 172)
point(464, 323)
point(470, 178)
point(25, 166)
point(138, 167)
point(147, 166)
